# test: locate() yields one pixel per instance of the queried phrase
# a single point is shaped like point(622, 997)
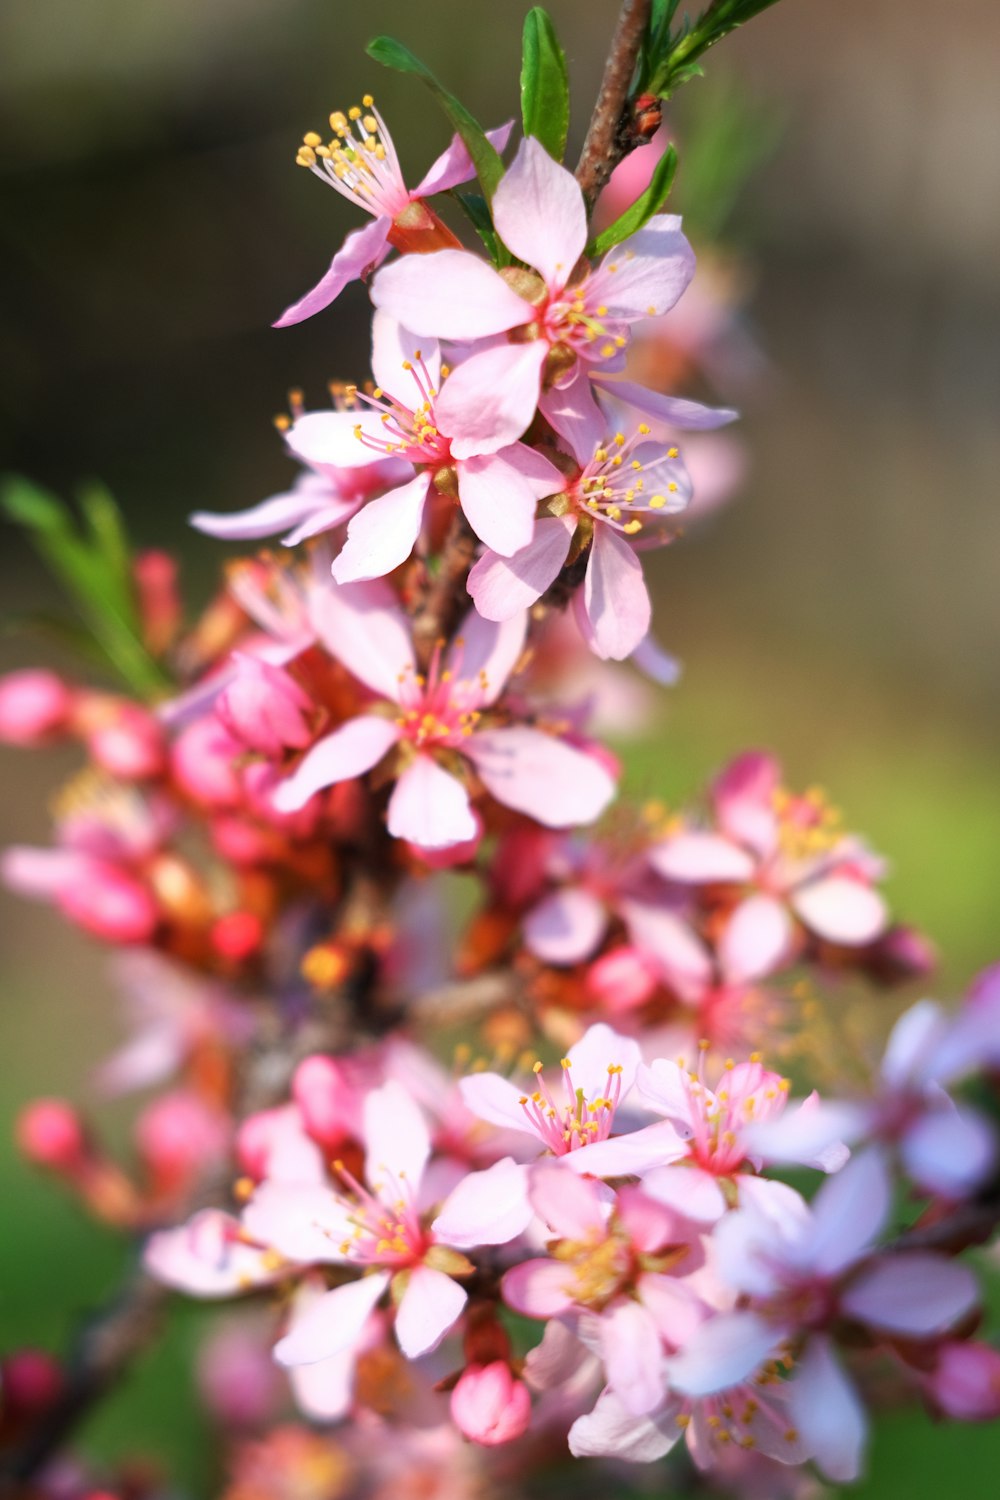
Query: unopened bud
point(34, 707)
point(623, 979)
point(265, 708)
point(489, 1406)
point(50, 1134)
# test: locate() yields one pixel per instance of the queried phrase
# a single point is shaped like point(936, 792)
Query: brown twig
point(438, 612)
point(606, 141)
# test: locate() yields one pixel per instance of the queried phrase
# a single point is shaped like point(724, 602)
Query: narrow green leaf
point(485, 157)
point(475, 209)
point(644, 207)
point(544, 84)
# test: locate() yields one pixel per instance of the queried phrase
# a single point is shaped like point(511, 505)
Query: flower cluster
point(461, 1269)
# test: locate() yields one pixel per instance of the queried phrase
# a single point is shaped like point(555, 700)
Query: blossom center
point(359, 160)
point(575, 1121)
point(621, 487)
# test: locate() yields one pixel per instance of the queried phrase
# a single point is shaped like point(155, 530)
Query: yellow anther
point(631, 527)
point(354, 113)
point(671, 452)
point(305, 157)
point(367, 101)
point(607, 350)
point(564, 1062)
point(657, 502)
point(371, 125)
point(644, 429)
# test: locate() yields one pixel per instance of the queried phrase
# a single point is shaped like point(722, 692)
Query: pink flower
point(320, 499)
point(210, 1256)
point(790, 851)
point(624, 489)
point(965, 1381)
point(361, 164)
point(489, 1406)
point(436, 727)
point(411, 417)
point(35, 707)
point(570, 328)
point(381, 1226)
point(265, 708)
point(597, 1076)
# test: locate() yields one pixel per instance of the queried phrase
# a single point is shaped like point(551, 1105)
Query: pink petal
point(681, 956)
point(574, 1208)
point(501, 586)
point(542, 776)
point(362, 625)
point(849, 1211)
point(349, 751)
point(382, 535)
point(611, 1431)
point(565, 927)
point(333, 1324)
point(486, 652)
point(913, 1045)
point(810, 1134)
point(397, 1141)
point(688, 1191)
point(825, 1410)
point(616, 609)
point(302, 1223)
point(630, 1155)
point(649, 1224)
point(687, 415)
point(494, 1099)
point(743, 794)
point(725, 1351)
point(653, 267)
point(324, 1391)
point(486, 1208)
point(330, 438)
point(430, 808)
point(949, 1151)
point(362, 249)
point(913, 1293)
point(205, 1257)
point(393, 349)
point(841, 910)
point(538, 1288)
point(598, 1049)
point(488, 401)
point(431, 1305)
point(633, 1357)
point(539, 212)
point(450, 294)
point(454, 165)
point(571, 410)
point(756, 940)
point(695, 857)
point(498, 493)
point(276, 514)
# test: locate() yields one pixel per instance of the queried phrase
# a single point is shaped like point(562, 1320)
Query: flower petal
point(450, 294)
point(841, 910)
point(689, 416)
point(362, 249)
point(616, 610)
point(725, 1351)
point(914, 1293)
point(431, 1305)
point(609, 1431)
point(349, 751)
point(382, 534)
point(544, 777)
point(276, 514)
point(565, 927)
point(394, 349)
point(539, 213)
point(695, 857)
point(633, 1356)
point(486, 1208)
point(574, 1208)
point(331, 438)
point(501, 586)
point(362, 625)
point(652, 269)
point(825, 1409)
point(538, 1288)
point(949, 1151)
point(494, 1099)
point(498, 493)
point(488, 401)
point(430, 808)
point(486, 652)
point(455, 166)
point(333, 1323)
point(756, 940)
point(849, 1211)
point(302, 1223)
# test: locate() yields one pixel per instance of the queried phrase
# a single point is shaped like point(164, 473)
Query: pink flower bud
point(128, 742)
point(205, 759)
point(30, 1380)
point(321, 1092)
point(265, 708)
point(489, 1406)
point(110, 904)
point(238, 1378)
point(966, 1381)
point(237, 935)
point(50, 1134)
point(34, 707)
point(155, 575)
point(178, 1135)
point(622, 980)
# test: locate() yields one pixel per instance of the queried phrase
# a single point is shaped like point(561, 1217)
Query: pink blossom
point(489, 1406)
point(265, 708)
point(965, 1381)
point(210, 1257)
point(582, 323)
point(597, 1075)
point(410, 419)
point(35, 707)
point(437, 721)
point(361, 164)
point(322, 498)
point(790, 852)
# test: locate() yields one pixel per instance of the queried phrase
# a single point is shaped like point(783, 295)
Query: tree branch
point(606, 141)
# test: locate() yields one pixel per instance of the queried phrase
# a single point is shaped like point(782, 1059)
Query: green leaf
point(644, 207)
point(485, 157)
point(95, 569)
point(544, 84)
point(475, 209)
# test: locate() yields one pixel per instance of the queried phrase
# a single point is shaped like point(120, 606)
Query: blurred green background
point(844, 612)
